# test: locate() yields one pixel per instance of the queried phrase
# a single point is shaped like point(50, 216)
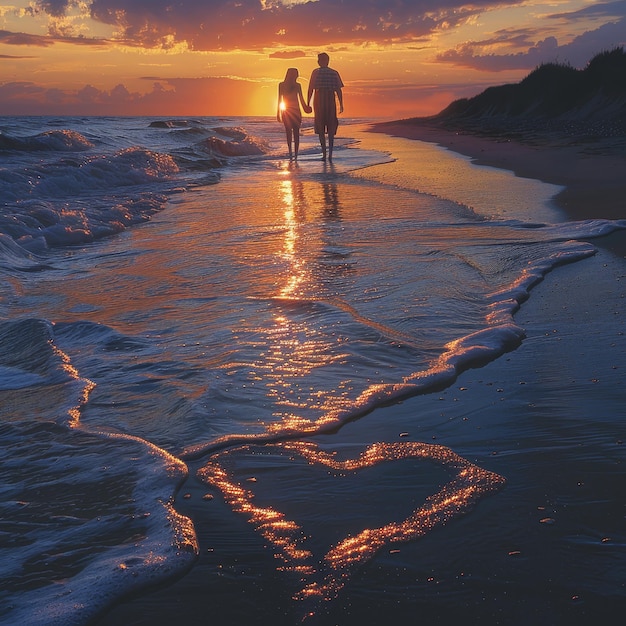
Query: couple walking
point(324, 85)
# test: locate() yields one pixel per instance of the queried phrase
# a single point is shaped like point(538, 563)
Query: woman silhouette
point(289, 100)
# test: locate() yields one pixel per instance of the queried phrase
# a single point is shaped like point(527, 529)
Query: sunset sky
point(397, 58)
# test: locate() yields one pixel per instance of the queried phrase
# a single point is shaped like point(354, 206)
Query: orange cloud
point(44, 41)
point(250, 24)
point(215, 97)
point(263, 34)
point(175, 96)
point(288, 54)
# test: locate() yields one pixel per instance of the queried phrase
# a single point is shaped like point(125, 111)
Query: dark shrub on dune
point(551, 89)
point(555, 92)
point(607, 72)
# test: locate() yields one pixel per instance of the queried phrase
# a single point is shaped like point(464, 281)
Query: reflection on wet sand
point(322, 579)
point(296, 347)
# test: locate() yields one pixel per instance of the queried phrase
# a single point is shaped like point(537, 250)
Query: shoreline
point(592, 173)
point(543, 388)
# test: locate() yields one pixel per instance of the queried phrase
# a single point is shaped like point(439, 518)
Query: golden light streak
point(295, 345)
point(87, 385)
point(323, 578)
point(298, 273)
point(283, 534)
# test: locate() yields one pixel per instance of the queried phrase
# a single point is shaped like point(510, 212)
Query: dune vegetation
point(554, 98)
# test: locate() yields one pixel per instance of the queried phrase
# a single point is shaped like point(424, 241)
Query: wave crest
point(51, 140)
point(233, 142)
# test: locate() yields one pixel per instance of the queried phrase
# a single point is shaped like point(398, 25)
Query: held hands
point(307, 108)
point(341, 108)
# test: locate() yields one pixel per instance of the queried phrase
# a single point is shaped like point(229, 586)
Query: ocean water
point(189, 319)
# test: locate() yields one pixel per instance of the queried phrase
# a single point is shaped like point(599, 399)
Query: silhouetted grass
point(554, 96)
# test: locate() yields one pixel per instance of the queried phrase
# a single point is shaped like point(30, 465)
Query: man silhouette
point(326, 83)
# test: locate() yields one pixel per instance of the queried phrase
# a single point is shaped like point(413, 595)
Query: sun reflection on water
point(296, 344)
point(303, 337)
point(294, 216)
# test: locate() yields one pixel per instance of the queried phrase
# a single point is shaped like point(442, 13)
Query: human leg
point(292, 119)
point(331, 143)
point(322, 137)
point(296, 141)
point(288, 135)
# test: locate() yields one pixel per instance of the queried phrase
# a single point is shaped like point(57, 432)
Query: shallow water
point(231, 343)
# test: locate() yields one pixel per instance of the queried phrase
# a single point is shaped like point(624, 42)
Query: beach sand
point(592, 172)
point(546, 550)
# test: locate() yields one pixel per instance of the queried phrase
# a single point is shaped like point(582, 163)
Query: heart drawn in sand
point(323, 580)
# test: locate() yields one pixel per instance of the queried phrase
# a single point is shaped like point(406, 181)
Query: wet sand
point(548, 549)
point(591, 170)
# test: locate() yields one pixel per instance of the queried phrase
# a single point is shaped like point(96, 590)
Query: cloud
point(220, 96)
point(22, 97)
point(288, 54)
point(14, 56)
point(602, 10)
point(43, 41)
point(24, 39)
point(168, 96)
point(56, 8)
point(576, 53)
point(253, 24)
